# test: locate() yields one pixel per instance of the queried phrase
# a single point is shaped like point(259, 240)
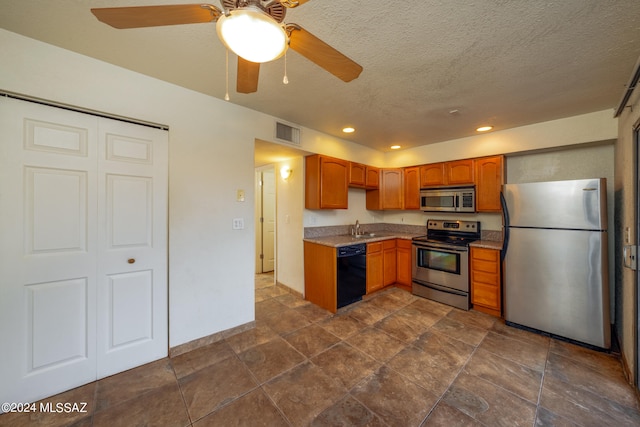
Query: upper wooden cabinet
point(326, 182)
point(489, 180)
point(459, 172)
point(390, 193)
point(363, 176)
point(412, 187)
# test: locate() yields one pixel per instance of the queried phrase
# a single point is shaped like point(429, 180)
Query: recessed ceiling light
point(348, 129)
point(484, 128)
point(395, 147)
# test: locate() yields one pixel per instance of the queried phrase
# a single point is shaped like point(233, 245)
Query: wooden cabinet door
point(375, 267)
point(459, 172)
point(326, 182)
point(391, 190)
point(412, 188)
point(389, 262)
point(357, 175)
point(372, 179)
point(403, 262)
point(489, 180)
point(432, 175)
point(486, 295)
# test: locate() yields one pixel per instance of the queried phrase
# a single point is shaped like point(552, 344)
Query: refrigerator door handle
point(505, 220)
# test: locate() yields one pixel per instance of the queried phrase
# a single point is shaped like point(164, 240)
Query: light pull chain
point(285, 80)
point(226, 95)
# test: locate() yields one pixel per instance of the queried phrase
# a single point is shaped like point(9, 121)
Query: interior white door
point(132, 251)
point(268, 220)
point(48, 248)
point(67, 210)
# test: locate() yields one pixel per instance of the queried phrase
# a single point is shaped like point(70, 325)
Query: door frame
point(259, 203)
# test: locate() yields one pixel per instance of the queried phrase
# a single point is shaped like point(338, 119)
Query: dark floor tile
point(313, 313)
point(601, 383)
point(347, 412)
point(522, 352)
point(584, 407)
point(291, 300)
point(402, 295)
point(447, 416)
point(605, 363)
point(489, 404)
point(269, 293)
point(395, 399)
point(473, 318)
point(192, 361)
point(430, 307)
point(271, 359)
point(252, 409)
point(518, 379)
point(133, 383)
point(267, 307)
point(286, 321)
point(251, 338)
point(460, 331)
point(303, 393)
point(345, 364)
point(342, 325)
point(520, 334)
point(545, 418)
point(311, 340)
point(161, 407)
point(210, 388)
point(433, 365)
point(401, 327)
point(388, 302)
point(376, 343)
point(84, 396)
point(368, 313)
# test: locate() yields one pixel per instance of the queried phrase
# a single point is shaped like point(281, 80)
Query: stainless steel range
point(440, 267)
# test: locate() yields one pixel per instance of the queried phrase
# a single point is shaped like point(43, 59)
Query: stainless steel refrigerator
point(555, 259)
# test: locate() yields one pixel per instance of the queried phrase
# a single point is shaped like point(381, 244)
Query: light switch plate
point(238, 223)
point(240, 195)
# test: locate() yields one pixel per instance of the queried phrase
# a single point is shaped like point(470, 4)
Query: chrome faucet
point(357, 227)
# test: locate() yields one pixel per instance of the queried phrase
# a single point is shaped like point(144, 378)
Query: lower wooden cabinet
point(403, 264)
point(320, 280)
point(389, 262)
point(375, 267)
point(486, 292)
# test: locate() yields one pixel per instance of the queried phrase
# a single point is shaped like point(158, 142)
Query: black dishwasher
point(352, 273)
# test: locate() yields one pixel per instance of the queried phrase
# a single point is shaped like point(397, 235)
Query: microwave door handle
point(457, 202)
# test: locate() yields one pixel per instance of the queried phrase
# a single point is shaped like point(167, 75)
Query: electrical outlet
point(238, 223)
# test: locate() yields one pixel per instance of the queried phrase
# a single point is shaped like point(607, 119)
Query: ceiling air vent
point(287, 133)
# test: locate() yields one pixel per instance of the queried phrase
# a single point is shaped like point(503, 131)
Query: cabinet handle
point(131, 260)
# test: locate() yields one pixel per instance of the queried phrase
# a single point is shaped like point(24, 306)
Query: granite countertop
point(346, 239)
point(487, 244)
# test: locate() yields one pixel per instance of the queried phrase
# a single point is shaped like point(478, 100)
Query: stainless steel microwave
point(448, 199)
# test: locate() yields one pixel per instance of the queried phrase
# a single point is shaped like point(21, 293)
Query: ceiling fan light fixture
point(252, 34)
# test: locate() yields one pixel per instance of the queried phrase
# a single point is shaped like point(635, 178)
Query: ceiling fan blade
point(317, 51)
point(155, 16)
point(248, 73)
point(293, 3)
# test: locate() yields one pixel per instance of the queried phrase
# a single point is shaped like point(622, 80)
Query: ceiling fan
point(266, 16)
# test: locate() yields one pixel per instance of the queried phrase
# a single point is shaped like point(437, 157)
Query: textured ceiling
point(506, 63)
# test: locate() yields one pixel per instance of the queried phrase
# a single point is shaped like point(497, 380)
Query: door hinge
point(630, 256)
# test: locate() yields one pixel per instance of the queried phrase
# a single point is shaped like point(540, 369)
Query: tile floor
point(391, 360)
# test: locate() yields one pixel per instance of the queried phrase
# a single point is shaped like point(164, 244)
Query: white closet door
point(80, 196)
point(48, 248)
point(132, 253)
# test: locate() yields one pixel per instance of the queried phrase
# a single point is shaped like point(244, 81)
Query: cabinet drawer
point(486, 266)
point(486, 278)
point(374, 247)
point(389, 244)
point(486, 295)
point(403, 243)
point(485, 254)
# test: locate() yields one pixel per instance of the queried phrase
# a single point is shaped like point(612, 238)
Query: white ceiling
point(506, 63)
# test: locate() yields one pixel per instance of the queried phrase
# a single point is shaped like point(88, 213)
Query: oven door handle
point(440, 288)
point(444, 248)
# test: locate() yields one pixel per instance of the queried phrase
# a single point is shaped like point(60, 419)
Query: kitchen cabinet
point(390, 193)
point(489, 180)
point(389, 262)
point(412, 188)
point(375, 267)
point(363, 176)
point(403, 264)
point(326, 182)
point(459, 172)
point(486, 292)
point(320, 279)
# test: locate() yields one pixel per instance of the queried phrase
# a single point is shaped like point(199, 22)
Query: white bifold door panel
point(83, 248)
